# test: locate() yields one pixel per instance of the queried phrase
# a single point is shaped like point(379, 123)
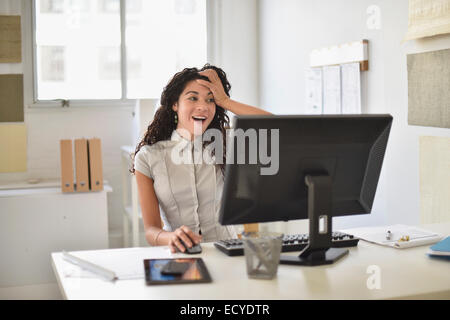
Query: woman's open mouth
point(199, 118)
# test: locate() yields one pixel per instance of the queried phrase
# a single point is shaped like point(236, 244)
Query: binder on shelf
point(81, 165)
point(95, 164)
point(66, 166)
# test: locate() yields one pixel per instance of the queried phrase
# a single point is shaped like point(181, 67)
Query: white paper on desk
point(313, 91)
point(417, 242)
point(351, 88)
point(331, 90)
point(126, 263)
point(418, 237)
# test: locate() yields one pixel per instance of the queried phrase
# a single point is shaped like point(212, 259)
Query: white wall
point(291, 29)
point(233, 38)
point(403, 159)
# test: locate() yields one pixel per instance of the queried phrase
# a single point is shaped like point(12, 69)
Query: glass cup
point(262, 253)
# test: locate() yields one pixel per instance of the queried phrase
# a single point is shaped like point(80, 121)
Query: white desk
point(405, 273)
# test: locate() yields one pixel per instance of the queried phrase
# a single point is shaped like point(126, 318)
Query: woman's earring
point(176, 118)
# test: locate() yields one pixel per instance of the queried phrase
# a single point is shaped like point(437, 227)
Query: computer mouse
point(193, 250)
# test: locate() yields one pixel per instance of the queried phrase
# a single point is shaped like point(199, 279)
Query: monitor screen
point(268, 158)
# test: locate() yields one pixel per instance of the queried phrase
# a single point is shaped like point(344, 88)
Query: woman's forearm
point(156, 236)
point(239, 108)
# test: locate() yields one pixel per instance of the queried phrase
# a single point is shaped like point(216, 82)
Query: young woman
point(188, 194)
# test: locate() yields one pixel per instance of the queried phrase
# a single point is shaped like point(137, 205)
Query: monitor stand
point(318, 251)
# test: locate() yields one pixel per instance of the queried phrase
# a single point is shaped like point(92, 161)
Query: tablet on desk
point(173, 271)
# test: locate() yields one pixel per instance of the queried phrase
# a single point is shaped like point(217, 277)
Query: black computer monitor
point(328, 165)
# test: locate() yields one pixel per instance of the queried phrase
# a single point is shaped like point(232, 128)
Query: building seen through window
point(78, 46)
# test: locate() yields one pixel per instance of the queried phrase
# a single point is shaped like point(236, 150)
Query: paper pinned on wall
point(434, 172)
point(10, 39)
point(428, 18)
point(351, 88)
point(428, 88)
point(13, 148)
point(331, 90)
point(313, 91)
point(11, 98)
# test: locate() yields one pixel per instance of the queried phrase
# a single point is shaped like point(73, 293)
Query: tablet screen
point(191, 270)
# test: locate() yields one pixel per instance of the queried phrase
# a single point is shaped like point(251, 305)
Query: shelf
point(40, 183)
point(22, 191)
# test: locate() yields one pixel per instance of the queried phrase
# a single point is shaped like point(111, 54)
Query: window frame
point(30, 61)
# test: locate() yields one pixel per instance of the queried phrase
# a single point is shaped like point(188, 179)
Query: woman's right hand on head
point(215, 85)
point(185, 234)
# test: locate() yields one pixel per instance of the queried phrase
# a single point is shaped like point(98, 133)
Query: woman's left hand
point(220, 97)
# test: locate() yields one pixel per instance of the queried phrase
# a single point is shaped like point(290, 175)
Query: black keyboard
point(291, 242)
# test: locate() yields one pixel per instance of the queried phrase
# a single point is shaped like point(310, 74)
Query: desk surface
point(404, 273)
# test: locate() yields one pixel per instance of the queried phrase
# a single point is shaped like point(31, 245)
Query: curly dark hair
point(163, 123)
